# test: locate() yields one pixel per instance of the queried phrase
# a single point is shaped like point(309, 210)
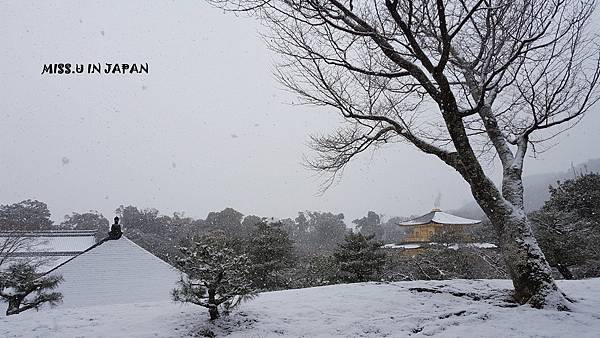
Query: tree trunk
point(213, 309)
point(530, 272)
point(564, 271)
point(13, 306)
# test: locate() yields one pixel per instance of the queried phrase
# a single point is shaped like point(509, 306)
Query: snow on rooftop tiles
point(46, 249)
point(64, 244)
point(410, 246)
point(440, 217)
point(53, 241)
point(401, 246)
point(115, 272)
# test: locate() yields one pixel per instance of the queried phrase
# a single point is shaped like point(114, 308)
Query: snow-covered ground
point(459, 308)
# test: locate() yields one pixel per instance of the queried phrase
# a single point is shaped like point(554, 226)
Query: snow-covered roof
point(440, 217)
point(115, 272)
point(473, 245)
point(401, 246)
point(410, 246)
point(53, 242)
point(47, 249)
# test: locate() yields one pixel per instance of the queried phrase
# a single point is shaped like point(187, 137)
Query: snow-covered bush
point(23, 288)
point(217, 276)
point(438, 262)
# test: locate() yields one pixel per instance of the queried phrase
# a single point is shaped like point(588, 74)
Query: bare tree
point(18, 246)
point(467, 81)
point(12, 242)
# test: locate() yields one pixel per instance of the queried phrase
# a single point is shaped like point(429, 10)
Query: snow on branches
point(216, 275)
point(23, 288)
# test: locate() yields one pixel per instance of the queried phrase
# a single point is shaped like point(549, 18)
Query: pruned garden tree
point(216, 276)
point(467, 81)
point(359, 258)
point(23, 288)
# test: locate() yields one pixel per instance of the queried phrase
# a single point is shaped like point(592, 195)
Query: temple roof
point(107, 272)
point(115, 272)
point(52, 242)
point(440, 217)
point(48, 248)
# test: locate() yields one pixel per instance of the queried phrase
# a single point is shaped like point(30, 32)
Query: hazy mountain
point(536, 188)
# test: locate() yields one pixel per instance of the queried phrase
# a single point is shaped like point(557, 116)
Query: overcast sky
point(207, 128)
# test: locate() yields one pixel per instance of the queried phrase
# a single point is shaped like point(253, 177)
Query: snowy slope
point(351, 310)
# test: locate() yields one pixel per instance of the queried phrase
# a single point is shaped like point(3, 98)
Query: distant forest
point(317, 248)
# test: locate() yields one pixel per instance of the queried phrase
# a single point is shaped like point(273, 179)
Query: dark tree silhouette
point(25, 215)
point(370, 225)
point(568, 225)
point(270, 251)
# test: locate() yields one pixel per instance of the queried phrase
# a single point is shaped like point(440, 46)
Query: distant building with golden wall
point(423, 228)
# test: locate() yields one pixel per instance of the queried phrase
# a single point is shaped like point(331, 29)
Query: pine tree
point(271, 251)
point(359, 258)
point(19, 281)
point(217, 276)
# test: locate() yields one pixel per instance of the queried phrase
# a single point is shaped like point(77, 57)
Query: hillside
point(535, 188)
point(458, 308)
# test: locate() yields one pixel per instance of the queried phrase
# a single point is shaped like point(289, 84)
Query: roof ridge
point(49, 233)
point(153, 255)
